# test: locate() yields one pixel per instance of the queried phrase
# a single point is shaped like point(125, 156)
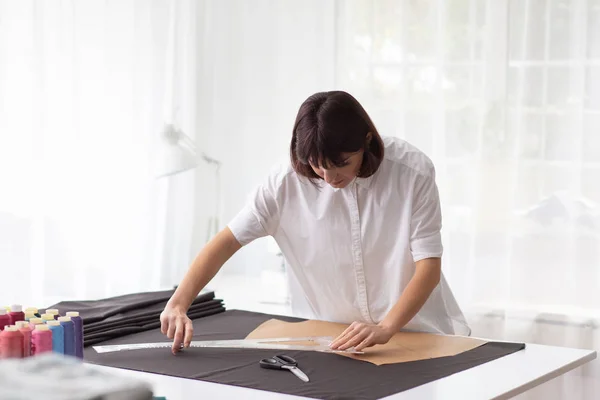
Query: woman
point(358, 220)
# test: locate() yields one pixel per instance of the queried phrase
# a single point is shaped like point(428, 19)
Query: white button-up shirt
point(350, 252)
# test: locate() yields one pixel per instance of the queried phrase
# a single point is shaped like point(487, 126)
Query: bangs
point(315, 148)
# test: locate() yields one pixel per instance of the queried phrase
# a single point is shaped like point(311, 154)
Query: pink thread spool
point(11, 342)
point(16, 314)
point(41, 340)
point(25, 329)
point(4, 318)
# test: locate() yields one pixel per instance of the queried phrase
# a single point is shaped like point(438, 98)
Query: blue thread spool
point(69, 329)
point(58, 336)
point(78, 324)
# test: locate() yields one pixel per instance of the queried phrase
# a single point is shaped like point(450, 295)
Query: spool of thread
point(48, 317)
point(11, 342)
point(29, 315)
point(41, 340)
point(16, 314)
point(78, 331)
point(58, 336)
point(35, 321)
point(54, 312)
point(4, 319)
point(25, 329)
point(34, 310)
point(69, 328)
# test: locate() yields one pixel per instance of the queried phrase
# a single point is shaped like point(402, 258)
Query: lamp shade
point(176, 153)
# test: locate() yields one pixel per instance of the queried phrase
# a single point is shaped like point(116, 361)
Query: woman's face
point(340, 177)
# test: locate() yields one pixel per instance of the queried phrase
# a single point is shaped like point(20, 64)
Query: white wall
point(261, 59)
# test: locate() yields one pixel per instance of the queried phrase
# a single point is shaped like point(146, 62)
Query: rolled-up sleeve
point(426, 221)
point(260, 216)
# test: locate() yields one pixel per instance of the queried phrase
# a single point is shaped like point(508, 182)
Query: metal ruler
point(318, 343)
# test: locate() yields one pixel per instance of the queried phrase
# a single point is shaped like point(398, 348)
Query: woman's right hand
point(175, 323)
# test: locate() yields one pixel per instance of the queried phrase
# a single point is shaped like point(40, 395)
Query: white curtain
point(259, 60)
point(505, 98)
point(85, 87)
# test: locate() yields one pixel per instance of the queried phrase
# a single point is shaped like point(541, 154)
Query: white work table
point(502, 378)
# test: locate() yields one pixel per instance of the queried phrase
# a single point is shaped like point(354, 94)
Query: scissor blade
point(297, 372)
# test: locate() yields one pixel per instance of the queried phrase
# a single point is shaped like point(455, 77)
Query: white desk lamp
point(177, 154)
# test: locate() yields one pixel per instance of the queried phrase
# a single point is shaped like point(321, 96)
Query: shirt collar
point(362, 182)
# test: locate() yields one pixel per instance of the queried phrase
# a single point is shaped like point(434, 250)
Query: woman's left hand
point(360, 335)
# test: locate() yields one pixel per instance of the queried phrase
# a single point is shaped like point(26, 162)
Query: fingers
point(176, 325)
point(355, 340)
point(367, 342)
point(189, 332)
point(171, 327)
point(351, 336)
point(163, 324)
point(344, 336)
point(178, 338)
point(346, 331)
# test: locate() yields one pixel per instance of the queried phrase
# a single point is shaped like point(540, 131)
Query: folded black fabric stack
point(124, 315)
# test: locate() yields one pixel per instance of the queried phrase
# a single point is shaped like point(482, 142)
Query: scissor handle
point(286, 360)
point(277, 362)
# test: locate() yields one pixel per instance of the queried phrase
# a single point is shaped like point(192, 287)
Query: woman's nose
point(329, 175)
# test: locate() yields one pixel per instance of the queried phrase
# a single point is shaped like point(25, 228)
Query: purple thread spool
point(69, 335)
point(78, 323)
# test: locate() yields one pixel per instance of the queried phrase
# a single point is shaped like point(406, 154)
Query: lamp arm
point(210, 160)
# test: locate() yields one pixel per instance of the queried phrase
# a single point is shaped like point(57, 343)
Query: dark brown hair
point(331, 123)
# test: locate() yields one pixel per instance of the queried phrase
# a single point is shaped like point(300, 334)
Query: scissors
point(283, 362)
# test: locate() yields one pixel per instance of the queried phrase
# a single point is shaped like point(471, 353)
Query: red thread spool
point(25, 329)
point(11, 343)
point(4, 318)
point(41, 340)
point(16, 314)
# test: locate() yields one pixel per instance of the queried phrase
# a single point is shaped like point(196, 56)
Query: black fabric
point(144, 318)
point(118, 307)
point(102, 336)
point(331, 376)
point(114, 317)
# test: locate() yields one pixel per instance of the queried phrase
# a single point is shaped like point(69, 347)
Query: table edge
point(591, 355)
